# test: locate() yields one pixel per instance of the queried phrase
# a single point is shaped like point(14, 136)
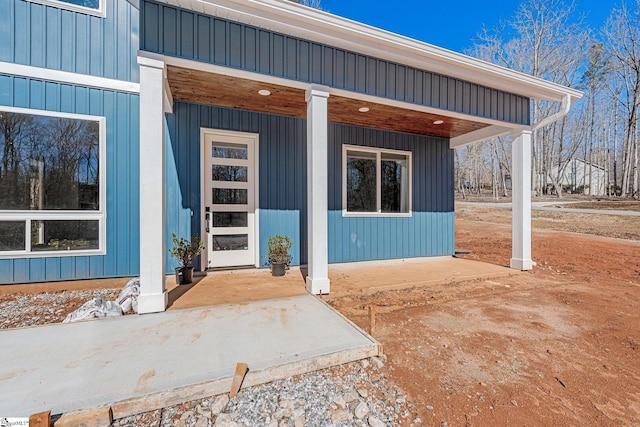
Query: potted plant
point(278, 254)
point(185, 251)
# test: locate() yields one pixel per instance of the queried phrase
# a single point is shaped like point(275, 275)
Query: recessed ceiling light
point(438, 122)
point(363, 109)
point(264, 92)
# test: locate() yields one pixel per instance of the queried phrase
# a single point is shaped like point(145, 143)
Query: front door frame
point(203, 226)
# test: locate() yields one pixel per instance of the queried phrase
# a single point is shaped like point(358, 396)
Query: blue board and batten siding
point(122, 163)
point(48, 37)
point(177, 32)
point(282, 185)
point(429, 231)
point(57, 39)
point(282, 171)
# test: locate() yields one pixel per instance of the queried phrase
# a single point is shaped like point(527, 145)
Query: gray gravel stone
point(225, 420)
point(363, 392)
point(361, 411)
point(219, 403)
point(375, 422)
point(340, 415)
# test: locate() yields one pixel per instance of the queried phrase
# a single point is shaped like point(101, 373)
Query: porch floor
point(242, 286)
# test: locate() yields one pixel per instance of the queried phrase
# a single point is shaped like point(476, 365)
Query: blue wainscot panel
point(54, 38)
point(284, 223)
point(365, 238)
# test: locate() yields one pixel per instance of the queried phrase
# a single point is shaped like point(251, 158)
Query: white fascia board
point(288, 17)
point(248, 75)
point(67, 77)
point(483, 134)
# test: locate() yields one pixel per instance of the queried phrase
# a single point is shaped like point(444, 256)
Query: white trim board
point(68, 77)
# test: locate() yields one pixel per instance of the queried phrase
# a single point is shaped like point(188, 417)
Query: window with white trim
point(89, 7)
point(376, 181)
point(52, 184)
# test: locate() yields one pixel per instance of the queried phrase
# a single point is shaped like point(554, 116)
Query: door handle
point(206, 218)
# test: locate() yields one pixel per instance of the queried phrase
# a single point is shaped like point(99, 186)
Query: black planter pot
point(278, 268)
point(187, 275)
point(184, 275)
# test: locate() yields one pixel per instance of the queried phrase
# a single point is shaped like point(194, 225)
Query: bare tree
point(622, 41)
point(545, 39)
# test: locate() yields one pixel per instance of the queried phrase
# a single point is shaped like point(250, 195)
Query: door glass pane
point(229, 196)
point(229, 173)
point(226, 150)
point(230, 219)
point(12, 235)
point(231, 242)
point(395, 183)
point(361, 182)
point(73, 235)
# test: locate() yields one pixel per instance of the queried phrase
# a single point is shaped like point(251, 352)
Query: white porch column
point(153, 294)
point(521, 207)
point(317, 188)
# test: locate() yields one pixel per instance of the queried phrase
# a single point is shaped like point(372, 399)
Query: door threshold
point(237, 267)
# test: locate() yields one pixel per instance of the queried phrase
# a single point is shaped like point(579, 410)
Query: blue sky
point(450, 24)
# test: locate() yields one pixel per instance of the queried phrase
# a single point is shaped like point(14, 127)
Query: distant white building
point(583, 177)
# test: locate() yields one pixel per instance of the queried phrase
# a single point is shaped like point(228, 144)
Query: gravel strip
point(354, 394)
point(22, 310)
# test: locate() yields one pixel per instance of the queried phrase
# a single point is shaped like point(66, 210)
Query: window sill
point(50, 254)
point(376, 215)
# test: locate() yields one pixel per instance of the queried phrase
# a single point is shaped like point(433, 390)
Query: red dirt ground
point(557, 346)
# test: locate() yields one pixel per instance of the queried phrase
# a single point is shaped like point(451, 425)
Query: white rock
point(340, 415)
point(281, 413)
point(225, 420)
point(219, 403)
point(350, 396)
point(286, 403)
point(363, 392)
point(202, 422)
point(377, 362)
point(361, 411)
point(375, 422)
point(365, 363)
point(272, 423)
point(339, 400)
point(298, 418)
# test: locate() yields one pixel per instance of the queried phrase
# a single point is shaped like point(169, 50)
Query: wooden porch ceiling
point(209, 88)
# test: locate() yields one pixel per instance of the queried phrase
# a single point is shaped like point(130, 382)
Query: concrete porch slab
point(139, 363)
point(369, 277)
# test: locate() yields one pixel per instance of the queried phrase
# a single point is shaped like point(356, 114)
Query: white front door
point(230, 198)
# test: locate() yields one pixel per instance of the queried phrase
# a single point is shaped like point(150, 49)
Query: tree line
point(550, 40)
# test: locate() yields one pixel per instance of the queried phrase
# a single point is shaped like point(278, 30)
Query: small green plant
point(279, 247)
point(184, 250)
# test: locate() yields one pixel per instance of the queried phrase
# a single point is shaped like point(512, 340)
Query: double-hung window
point(52, 184)
point(376, 182)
